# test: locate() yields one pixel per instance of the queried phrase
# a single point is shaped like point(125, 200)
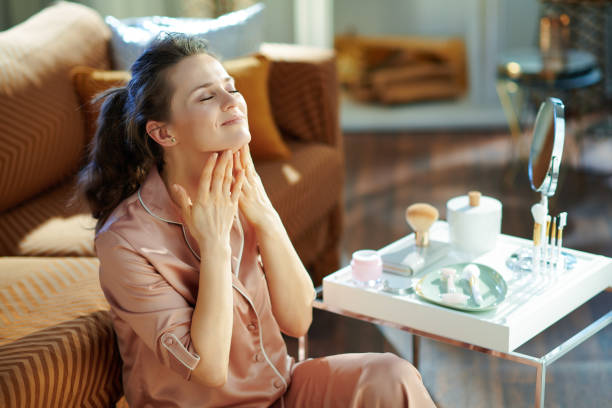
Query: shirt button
point(278, 383)
point(252, 327)
point(257, 357)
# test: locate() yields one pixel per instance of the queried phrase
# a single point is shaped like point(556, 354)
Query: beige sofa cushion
point(41, 127)
point(303, 190)
point(47, 226)
point(57, 343)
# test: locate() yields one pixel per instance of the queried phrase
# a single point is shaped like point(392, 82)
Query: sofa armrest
point(303, 88)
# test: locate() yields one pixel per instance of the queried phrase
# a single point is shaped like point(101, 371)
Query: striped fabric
point(304, 98)
point(41, 128)
point(319, 245)
point(304, 92)
point(295, 186)
point(47, 226)
point(66, 354)
point(306, 190)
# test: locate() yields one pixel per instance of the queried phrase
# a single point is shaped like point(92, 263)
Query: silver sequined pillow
point(231, 35)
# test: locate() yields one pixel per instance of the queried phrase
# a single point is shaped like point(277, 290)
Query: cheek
point(193, 121)
point(243, 105)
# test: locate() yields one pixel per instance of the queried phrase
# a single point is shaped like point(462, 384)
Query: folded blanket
point(393, 69)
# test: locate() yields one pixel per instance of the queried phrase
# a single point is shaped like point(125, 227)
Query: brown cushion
point(306, 187)
point(47, 226)
point(303, 90)
point(57, 340)
point(41, 129)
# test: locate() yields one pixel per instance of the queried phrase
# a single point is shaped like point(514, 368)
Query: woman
point(198, 269)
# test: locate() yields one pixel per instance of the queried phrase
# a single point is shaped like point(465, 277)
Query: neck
point(184, 171)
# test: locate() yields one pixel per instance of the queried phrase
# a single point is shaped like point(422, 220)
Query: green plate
point(492, 286)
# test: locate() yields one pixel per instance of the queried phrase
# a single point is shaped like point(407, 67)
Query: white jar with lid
point(474, 222)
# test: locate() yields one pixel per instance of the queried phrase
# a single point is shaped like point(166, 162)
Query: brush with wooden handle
point(420, 217)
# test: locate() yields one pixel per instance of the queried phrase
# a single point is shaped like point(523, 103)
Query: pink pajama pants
point(356, 380)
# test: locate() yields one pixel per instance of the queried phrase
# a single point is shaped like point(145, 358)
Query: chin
point(242, 142)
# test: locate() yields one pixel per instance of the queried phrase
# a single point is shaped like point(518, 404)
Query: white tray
point(532, 304)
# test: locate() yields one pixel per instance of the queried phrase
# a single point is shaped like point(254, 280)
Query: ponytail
point(115, 169)
point(121, 152)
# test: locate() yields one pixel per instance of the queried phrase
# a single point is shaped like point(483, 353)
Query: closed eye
point(210, 97)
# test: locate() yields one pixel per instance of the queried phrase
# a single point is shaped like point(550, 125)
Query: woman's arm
point(211, 324)
point(291, 289)
point(209, 219)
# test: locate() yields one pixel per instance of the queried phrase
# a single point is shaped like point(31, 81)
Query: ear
point(158, 131)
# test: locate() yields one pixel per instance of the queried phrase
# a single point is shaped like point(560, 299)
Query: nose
point(229, 101)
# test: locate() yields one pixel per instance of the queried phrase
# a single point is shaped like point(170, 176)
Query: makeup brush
point(546, 237)
point(420, 217)
point(560, 226)
point(539, 217)
point(553, 243)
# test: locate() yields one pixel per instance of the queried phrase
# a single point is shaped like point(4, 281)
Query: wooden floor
point(387, 172)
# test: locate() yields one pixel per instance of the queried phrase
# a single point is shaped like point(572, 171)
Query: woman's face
point(207, 114)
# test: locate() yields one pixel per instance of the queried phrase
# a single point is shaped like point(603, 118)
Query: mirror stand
point(544, 162)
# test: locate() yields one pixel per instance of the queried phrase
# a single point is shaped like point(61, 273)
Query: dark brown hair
point(121, 152)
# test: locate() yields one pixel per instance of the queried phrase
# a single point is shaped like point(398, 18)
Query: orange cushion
point(251, 76)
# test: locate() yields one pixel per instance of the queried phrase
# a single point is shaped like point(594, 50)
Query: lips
point(233, 121)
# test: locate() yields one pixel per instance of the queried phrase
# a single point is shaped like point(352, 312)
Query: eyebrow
point(207, 84)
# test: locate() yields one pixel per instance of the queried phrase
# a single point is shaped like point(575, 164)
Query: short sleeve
point(144, 300)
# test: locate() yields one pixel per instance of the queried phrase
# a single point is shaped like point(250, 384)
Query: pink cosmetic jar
point(366, 266)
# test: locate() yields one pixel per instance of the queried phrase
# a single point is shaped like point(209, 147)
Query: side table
point(533, 303)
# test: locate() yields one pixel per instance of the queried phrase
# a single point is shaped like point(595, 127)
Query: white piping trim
point(182, 348)
point(188, 244)
point(261, 338)
point(241, 245)
point(185, 233)
point(152, 213)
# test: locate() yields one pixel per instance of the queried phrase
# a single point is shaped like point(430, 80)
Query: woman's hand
point(210, 217)
point(254, 201)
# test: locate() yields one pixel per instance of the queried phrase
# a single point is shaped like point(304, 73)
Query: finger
point(227, 181)
point(243, 163)
point(237, 188)
point(219, 173)
point(183, 198)
point(237, 163)
point(239, 158)
point(206, 177)
point(248, 160)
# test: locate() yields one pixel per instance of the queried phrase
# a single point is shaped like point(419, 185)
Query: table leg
point(540, 390)
point(303, 347)
point(416, 347)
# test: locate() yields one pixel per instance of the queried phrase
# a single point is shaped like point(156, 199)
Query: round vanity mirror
point(547, 147)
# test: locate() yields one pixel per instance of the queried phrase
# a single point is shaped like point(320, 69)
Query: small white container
point(474, 222)
point(366, 266)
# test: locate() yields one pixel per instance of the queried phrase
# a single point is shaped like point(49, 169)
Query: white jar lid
point(462, 204)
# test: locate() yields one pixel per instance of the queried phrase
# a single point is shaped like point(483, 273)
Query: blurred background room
point(437, 98)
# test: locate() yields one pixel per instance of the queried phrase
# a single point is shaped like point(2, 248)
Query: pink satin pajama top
point(149, 268)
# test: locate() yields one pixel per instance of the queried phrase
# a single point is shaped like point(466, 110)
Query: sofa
point(57, 345)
